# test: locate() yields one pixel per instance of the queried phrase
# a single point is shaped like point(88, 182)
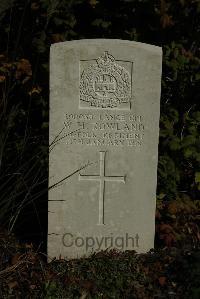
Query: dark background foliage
point(27, 29)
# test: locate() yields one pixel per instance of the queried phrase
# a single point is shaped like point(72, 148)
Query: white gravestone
point(104, 128)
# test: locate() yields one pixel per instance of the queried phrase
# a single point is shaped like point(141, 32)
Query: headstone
point(104, 128)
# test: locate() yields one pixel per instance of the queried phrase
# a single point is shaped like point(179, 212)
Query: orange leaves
point(56, 38)
point(158, 215)
point(165, 17)
point(187, 54)
point(162, 280)
point(15, 259)
point(17, 70)
point(166, 228)
point(24, 69)
point(4, 68)
point(35, 90)
point(166, 21)
point(13, 284)
point(93, 3)
point(166, 234)
point(2, 78)
point(177, 222)
point(173, 208)
point(35, 6)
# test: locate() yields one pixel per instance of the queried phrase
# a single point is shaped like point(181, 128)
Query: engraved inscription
point(104, 129)
point(105, 85)
point(102, 178)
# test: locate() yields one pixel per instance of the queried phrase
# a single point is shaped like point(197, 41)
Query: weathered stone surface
point(104, 127)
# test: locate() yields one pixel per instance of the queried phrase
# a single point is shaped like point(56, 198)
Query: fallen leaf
point(93, 3)
point(23, 68)
point(169, 239)
point(15, 258)
point(166, 21)
point(57, 37)
point(35, 6)
point(13, 284)
point(173, 208)
point(162, 280)
point(29, 246)
point(166, 228)
point(2, 79)
point(35, 90)
point(158, 215)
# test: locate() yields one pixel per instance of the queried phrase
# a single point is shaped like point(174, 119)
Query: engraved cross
point(102, 178)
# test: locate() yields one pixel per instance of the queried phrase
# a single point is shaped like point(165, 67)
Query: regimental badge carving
point(105, 85)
